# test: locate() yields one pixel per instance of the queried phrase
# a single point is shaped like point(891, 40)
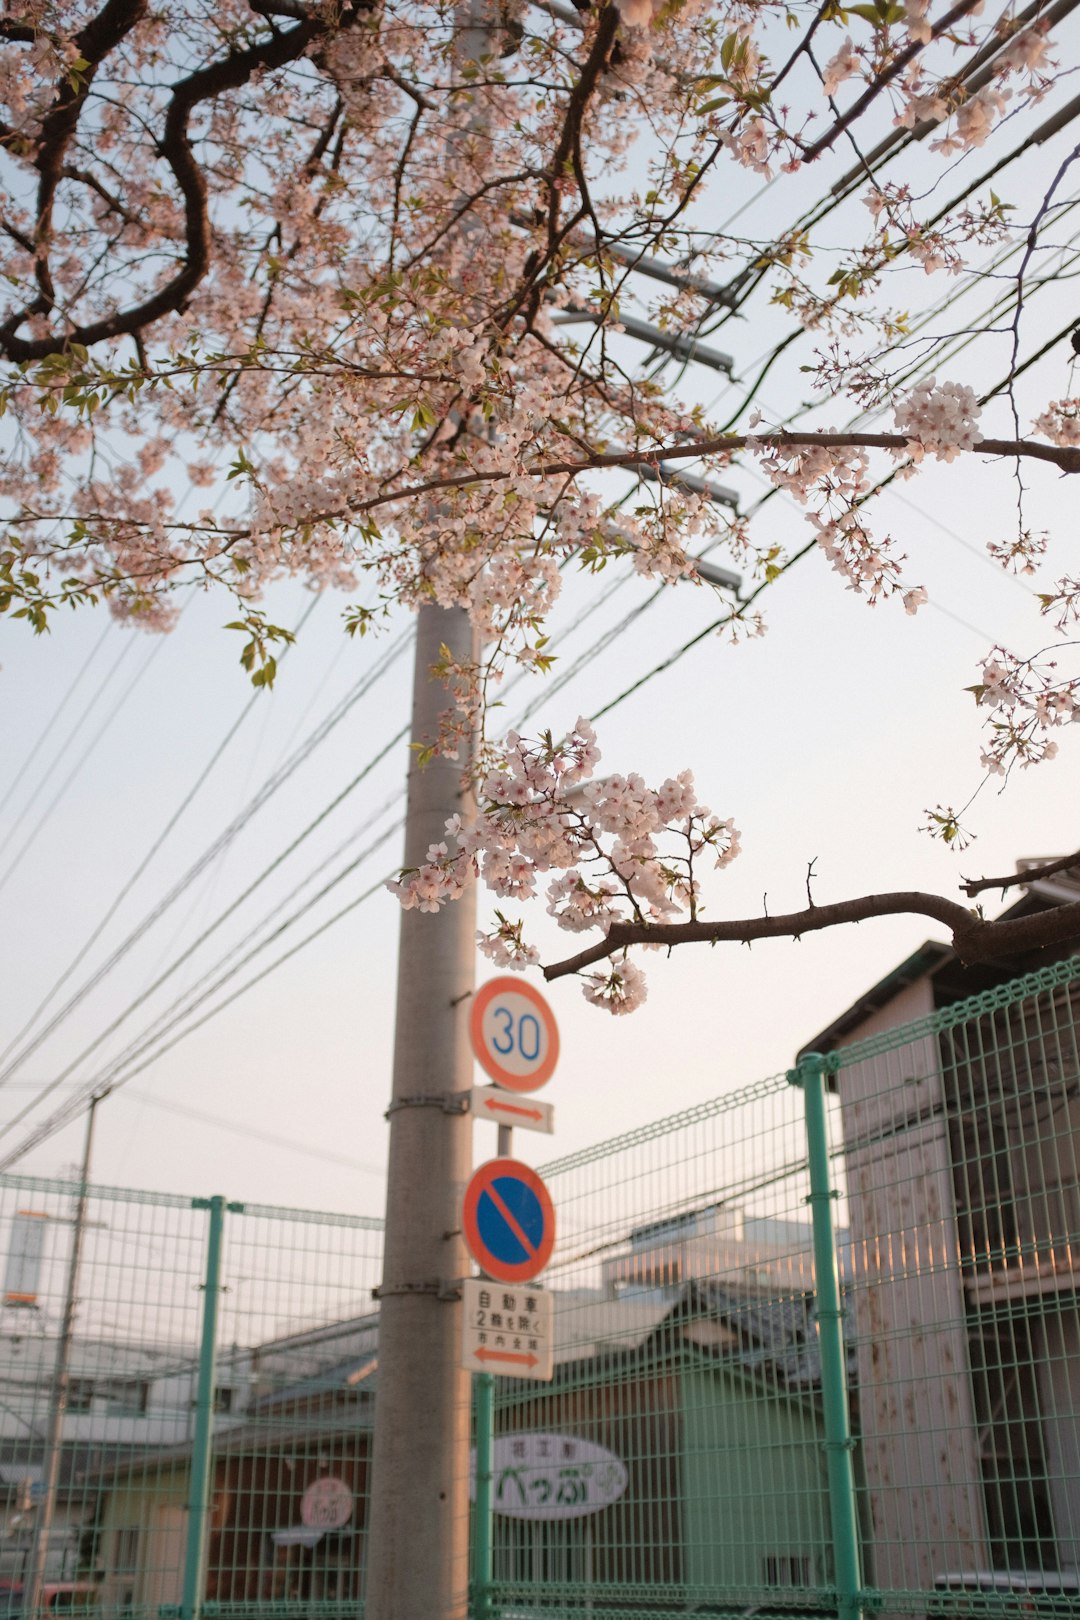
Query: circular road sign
point(514, 1034)
point(327, 1504)
point(509, 1221)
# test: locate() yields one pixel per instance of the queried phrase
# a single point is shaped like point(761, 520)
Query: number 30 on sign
point(514, 1034)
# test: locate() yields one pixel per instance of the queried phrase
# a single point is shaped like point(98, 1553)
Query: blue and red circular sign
point(509, 1221)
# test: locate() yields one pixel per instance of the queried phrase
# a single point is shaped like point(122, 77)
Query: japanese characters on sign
point(553, 1476)
point(507, 1330)
point(327, 1504)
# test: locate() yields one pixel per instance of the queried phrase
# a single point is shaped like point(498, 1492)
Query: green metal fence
point(818, 1342)
point(959, 1136)
point(817, 1352)
point(212, 1406)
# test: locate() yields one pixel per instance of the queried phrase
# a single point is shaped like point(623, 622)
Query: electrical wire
point(196, 992)
point(230, 909)
point(150, 856)
point(272, 784)
point(72, 1110)
point(130, 642)
point(76, 683)
point(254, 1133)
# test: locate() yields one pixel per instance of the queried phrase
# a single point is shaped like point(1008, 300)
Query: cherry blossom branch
point(1065, 457)
point(885, 78)
point(974, 939)
point(231, 72)
point(101, 35)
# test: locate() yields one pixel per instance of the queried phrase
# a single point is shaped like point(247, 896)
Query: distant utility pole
point(418, 1538)
point(58, 1396)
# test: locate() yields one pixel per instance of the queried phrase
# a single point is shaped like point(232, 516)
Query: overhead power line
point(230, 910)
point(75, 686)
point(128, 645)
point(221, 842)
point(71, 1110)
point(255, 1133)
point(88, 752)
point(148, 858)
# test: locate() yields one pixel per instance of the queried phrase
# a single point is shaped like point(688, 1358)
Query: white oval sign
point(327, 1504)
point(551, 1476)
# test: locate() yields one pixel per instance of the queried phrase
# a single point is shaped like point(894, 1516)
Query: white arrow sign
point(508, 1329)
point(511, 1108)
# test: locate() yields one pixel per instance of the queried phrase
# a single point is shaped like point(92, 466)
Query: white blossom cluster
point(1060, 422)
point(834, 481)
point(620, 852)
point(942, 419)
point(1028, 700)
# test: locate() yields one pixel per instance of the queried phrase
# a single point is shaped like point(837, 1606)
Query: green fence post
point(485, 1443)
point(199, 1485)
point(839, 1445)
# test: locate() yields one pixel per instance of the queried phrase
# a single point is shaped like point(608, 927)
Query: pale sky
point(825, 740)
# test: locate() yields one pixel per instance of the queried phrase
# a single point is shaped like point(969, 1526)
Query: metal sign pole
point(484, 1386)
point(843, 1507)
point(199, 1487)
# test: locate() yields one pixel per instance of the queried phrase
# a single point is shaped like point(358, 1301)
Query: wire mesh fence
point(675, 1462)
point(187, 1397)
point(207, 1415)
point(959, 1137)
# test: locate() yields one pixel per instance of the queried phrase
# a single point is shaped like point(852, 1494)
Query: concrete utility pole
point(418, 1520)
point(418, 1539)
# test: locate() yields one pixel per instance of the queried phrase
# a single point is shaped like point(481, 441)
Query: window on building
point(126, 1548)
point(223, 1399)
point(80, 1394)
point(126, 1395)
point(787, 1569)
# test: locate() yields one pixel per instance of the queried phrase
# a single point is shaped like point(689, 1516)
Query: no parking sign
point(509, 1221)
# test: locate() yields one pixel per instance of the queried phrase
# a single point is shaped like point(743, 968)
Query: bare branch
point(974, 939)
point(1032, 874)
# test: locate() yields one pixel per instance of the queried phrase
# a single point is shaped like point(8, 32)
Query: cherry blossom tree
point(326, 259)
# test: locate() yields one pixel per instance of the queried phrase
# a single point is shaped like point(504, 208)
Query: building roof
point(776, 1336)
point(929, 956)
point(953, 981)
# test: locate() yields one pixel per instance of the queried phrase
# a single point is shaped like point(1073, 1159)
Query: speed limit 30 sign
point(514, 1034)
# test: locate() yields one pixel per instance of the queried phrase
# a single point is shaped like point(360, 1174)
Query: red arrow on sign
point(506, 1111)
point(507, 1355)
point(493, 1106)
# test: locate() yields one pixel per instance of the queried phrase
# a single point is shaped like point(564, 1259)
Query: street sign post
point(508, 1221)
point(508, 1108)
point(508, 1330)
point(514, 1034)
